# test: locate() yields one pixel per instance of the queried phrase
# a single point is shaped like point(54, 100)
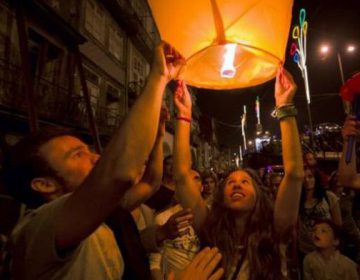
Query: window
point(112, 93)
point(92, 82)
point(138, 72)
point(112, 118)
point(116, 43)
point(94, 92)
point(91, 77)
point(114, 105)
point(95, 21)
point(138, 67)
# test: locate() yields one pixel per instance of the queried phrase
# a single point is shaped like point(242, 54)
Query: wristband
point(284, 112)
point(181, 118)
point(285, 105)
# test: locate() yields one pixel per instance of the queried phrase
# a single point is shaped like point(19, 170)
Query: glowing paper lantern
point(227, 43)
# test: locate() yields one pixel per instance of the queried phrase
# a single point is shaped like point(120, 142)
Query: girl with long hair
point(249, 231)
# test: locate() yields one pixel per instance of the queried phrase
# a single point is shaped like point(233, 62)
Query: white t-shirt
point(177, 253)
point(338, 267)
point(35, 255)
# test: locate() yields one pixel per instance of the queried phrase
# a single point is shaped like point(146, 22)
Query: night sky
point(334, 24)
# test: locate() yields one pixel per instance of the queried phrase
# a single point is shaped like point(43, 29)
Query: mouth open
point(237, 195)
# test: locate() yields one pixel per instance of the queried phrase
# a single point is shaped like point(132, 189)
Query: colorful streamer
point(257, 109)
point(243, 123)
point(298, 49)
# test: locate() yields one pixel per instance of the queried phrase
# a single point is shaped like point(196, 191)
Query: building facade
point(115, 38)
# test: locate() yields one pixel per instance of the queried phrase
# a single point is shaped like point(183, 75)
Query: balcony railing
point(54, 103)
point(68, 10)
point(107, 120)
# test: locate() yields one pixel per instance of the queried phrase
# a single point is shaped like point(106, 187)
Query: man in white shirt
point(74, 190)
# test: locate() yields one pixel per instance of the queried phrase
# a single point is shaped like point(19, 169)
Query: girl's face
point(239, 191)
point(309, 180)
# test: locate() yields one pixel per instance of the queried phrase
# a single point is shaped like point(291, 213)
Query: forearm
point(184, 187)
point(186, 191)
point(154, 168)
point(182, 154)
point(150, 181)
point(288, 195)
point(125, 156)
point(291, 148)
point(116, 170)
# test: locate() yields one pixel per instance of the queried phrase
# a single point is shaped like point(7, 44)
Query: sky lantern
point(227, 44)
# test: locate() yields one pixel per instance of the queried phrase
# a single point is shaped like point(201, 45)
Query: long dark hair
point(319, 190)
point(261, 242)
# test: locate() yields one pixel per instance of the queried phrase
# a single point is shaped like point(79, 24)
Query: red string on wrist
point(181, 118)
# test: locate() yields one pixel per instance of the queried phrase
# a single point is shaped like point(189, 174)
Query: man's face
point(70, 158)
point(310, 160)
point(209, 185)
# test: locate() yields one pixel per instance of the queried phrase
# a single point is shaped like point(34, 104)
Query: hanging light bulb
point(227, 69)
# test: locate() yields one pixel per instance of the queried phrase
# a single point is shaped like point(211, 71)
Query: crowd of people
point(133, 214)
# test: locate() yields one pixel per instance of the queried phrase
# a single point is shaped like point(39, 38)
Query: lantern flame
point(228, 69)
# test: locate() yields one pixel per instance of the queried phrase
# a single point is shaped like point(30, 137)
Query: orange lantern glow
point(227, 43)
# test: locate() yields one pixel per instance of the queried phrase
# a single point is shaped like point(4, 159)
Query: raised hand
point(285, 88)
point(177, 225)
point(351, 128)
point(167, 62)
point(182, 100)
